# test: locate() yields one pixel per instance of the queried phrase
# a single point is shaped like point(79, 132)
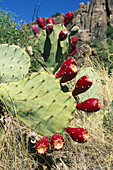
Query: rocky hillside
point(92, 19)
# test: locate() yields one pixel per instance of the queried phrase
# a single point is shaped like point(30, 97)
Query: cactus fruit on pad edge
point(93, 92)
point(39, 102)
point(49, 50)
point(14, 63)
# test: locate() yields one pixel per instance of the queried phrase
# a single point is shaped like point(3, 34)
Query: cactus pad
point(94, 90)
point(49, 50)
point(39, 102)
point(14, 63)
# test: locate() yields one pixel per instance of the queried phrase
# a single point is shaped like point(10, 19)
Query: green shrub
point(56, 14)
point(103, 50)
point(109, 32)
point(11, 31)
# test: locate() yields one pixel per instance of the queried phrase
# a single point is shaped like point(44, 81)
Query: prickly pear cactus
point(94, 90)
point(14, 63)
point(39, 102)
point(49, 50)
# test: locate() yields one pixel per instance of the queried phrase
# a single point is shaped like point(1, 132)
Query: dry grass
point(96, 154)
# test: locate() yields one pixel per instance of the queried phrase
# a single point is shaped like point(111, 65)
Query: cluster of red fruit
point(41, 22)
point(66, 73)
point(49, 29)
point(57, 141)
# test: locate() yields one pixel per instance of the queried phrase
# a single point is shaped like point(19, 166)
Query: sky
point(24, 9)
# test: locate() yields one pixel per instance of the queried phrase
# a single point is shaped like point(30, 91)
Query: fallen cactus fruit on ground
point(35, 30)
point(57, 141)
point(78, 134)
point(66, 63)
point(42, 146)
point(82, 85)
point(63, 35)
point(68, 17)
point(41, 22)
point(89, 105)
point(50, 21)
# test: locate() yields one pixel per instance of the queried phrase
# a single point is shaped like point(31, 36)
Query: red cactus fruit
point(63, 35)
point(89, 105)
point(74, 41)
point(57, 141)
point(66, 63)
point(42, 145)
point(50, 21)
point(41, 22)
point(78, 134)
point(49, 29)
point(74, 51)
point(35, 30)
point(68, 17)
point(69, 73)
point(82, 85)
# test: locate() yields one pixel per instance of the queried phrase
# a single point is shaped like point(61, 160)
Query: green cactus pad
point(94, 90)
point(49, 51)
point(14, 63)
point(39, 102)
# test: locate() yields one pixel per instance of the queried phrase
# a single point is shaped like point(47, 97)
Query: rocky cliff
point(92, 19)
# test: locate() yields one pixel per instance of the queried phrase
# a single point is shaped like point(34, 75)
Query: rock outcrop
point(92, 19)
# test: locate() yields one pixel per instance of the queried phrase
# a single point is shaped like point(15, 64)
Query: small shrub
point(11, 31)
point(109, 32)
point(56, 14)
